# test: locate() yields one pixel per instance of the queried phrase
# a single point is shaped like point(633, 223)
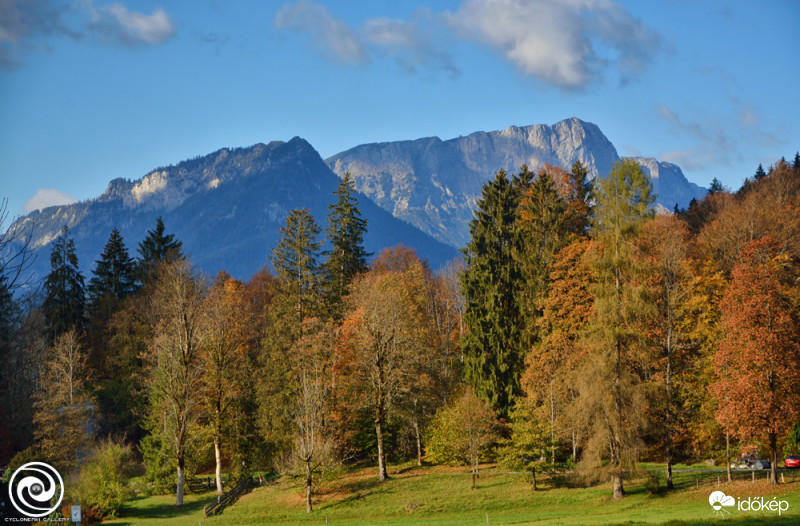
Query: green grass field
point(442, 495)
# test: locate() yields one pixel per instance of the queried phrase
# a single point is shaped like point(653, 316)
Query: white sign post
point(76, 514)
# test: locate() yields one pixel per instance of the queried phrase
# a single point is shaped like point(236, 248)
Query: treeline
point(581, 329)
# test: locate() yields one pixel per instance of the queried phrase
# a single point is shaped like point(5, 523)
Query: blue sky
point(91, 90)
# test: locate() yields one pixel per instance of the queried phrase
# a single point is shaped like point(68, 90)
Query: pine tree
point(492, 281)
point(613, 389)
point(715, 187)
point(296, 262)
point(113, 274)
point(579, 200)
point(796, 163)
point(157, 248)
point(760, 173)
point(64, 290)
point(347, 257)
point(542, 232)
point(113, 280)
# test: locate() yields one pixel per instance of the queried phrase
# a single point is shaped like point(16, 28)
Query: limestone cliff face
point(226, 207)
point(433, 184)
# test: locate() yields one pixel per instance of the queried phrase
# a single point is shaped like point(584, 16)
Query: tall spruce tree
point(613, 388)
point(64, 301)
point(114, 277)
point(542, 230)
point(760, 173)
point(113, 280)
point(157, 248)
point(347, 257)
point(491, 283)
point(296, 261)
point(579, 200)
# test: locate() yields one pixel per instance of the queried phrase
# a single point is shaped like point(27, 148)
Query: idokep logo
point(32, 487)
point(759, 504)
point(719, 501)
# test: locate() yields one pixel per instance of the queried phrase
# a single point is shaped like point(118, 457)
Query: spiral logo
point(32, 494)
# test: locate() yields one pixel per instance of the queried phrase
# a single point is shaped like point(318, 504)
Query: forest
point(580, 331)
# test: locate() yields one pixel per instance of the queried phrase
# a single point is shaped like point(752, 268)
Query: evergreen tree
point(796, 163)
point(542, 232)
point(296, 261)
point(64, 290)
point(347, 257)
point(113, 274)
point(760, 173)
point(157, 248)
point(613, 390)
point(579, 200)
point(715, 187)
point(113, 280)
point(492, 281)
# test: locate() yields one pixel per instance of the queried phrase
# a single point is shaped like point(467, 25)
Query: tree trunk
point(728, 453)
point(309, 480)
point(181, 476)
point(474, 473)
point(552, 425)
point(533, 472)
point(382, 475)
point(218, 470)
point(668, 415)
point(619, 490)
point(419, 442)
point(773, 460)
point(574, 445)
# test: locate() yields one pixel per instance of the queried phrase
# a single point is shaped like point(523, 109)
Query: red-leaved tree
point(758, 362)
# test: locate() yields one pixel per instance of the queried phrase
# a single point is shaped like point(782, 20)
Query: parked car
point(750, 462)
point(792, 462)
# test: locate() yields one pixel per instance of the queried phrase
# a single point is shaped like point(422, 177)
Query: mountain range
point(227, 207)
point(433, 184)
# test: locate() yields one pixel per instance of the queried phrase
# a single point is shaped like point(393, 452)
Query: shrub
point(103, 480)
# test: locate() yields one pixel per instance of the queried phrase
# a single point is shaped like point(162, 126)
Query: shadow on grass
point(134, 512)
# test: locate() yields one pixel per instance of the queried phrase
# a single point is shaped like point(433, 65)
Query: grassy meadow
point(442, 495)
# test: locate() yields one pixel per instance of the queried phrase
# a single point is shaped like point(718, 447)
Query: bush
point(103, 480)
point(159, 465)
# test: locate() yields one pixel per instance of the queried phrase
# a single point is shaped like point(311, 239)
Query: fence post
point(754, 475)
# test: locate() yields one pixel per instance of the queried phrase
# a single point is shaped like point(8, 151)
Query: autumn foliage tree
point(223, 358)
point(613, 387)
point(551, 380)
point(63, 405)
point(381, 344)
point(664, 243)
point(176, 346)
point(758, 361)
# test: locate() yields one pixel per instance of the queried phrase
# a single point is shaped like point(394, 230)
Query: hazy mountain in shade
point(433, 184)
point(226, 208)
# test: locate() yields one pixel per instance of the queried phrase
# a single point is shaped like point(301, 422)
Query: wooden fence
point(229, 497)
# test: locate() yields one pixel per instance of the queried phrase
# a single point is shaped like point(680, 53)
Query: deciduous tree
point(758, 361)
point(612, 392)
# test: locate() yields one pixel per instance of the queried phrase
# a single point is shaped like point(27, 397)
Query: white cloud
point(45, 197)
point(414, 44)
point(330, 36)
point(31, 25)
point(118, 24)
point(568, 43)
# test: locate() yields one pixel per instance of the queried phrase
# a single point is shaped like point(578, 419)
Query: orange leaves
point(758, 362)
